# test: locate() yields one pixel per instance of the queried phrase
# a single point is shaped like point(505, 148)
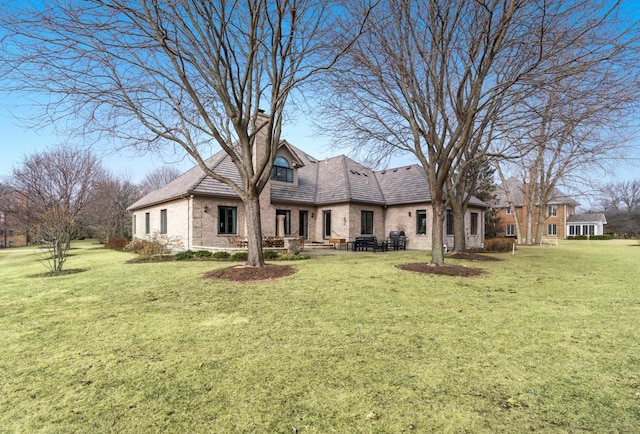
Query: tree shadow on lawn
point(445, 269)
point(61, 273)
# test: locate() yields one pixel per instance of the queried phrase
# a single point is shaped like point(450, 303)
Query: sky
point(18, 141)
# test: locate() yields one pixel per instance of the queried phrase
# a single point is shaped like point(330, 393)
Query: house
point(13, 232)
point(561, 220)
point(320, 200)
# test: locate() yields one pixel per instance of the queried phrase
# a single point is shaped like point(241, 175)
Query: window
point(281, 170)
point(572, 230)
point(421, 221)
point(10, 232)
point(326, 223)
point(163, 221)
point(366, 222)
point(227, 220)
point(552, 229)
point(552, 211)
point(511, 230)
point(449, 221)
point(147, 223)
point(12, 244)
point(287, 221)
point(474, 223)
point(134, 224)
point(509, 210)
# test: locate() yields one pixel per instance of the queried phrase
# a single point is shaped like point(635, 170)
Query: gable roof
point(333, 180)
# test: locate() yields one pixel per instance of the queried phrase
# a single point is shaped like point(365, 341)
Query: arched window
point(281, 162)
point(281, 170)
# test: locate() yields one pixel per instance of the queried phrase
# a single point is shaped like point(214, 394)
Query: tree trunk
point(437, 240)
point(254, 231)
point(459, 238)
point(529, 224)
point(542, 211)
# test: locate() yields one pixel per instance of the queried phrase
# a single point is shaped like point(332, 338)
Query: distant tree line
point(620, 202)
point(65, 193)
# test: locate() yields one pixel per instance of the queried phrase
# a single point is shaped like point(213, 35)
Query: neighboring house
point(561, 220)
point(12, 232)
point(320, 200)
point(586, 224)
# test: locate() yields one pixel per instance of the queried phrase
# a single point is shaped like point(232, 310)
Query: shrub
point(184, 256)
point(116, 243)
point(499, 244)
point(202, 254)
point(239, 256)
point(220, 255)
point(270, 255)
point(158, 244)
point(592, 237)
point(292, 257)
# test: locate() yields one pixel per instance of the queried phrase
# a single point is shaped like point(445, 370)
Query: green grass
point(546, 340)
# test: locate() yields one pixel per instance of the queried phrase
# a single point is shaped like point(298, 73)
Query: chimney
point(260, 143)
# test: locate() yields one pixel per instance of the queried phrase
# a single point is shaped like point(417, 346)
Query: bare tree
point(57, 186)
point(158, 178)
point(189, 74)
point(577, 123)
point(431, 72)
point(621, 196)
point(108, 216)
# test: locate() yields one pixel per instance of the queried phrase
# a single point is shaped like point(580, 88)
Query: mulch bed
point(243, 273)
point(445, 269)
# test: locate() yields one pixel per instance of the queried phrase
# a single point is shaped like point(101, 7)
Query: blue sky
point(17, 141)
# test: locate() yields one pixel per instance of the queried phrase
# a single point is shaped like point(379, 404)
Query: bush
point(592, 237)
point(292, 257)
point(202, 254)
point(158, 244)
point(116, 243)
point(185, 256)
point(270, 255)
point(239, 256)
point(220, 255)
point(499, 244)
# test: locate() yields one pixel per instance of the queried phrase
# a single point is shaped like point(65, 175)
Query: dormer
point(285, 165)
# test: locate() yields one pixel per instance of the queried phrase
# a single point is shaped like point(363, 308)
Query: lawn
point(547, 340)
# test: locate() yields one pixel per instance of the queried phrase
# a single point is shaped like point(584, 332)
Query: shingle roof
point(333, 180)
point(587, 218)
point(179, 187)
point(407, 184)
